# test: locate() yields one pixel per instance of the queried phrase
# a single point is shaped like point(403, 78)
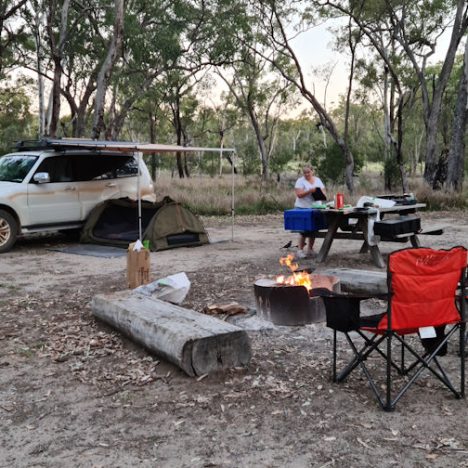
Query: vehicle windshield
point(15, 167)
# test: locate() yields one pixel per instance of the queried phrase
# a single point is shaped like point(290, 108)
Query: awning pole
point(139, 158)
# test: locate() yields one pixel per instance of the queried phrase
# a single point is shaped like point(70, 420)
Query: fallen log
point(360, 281)
point(197, 343)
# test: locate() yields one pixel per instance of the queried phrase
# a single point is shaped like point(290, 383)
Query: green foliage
point(331, 165)
point(15, 118)
point(250, 158)
point(392, 174)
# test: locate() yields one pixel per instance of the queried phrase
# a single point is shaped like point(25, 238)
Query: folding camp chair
point(426, 290)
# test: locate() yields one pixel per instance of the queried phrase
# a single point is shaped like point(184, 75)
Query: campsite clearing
point(74, 392)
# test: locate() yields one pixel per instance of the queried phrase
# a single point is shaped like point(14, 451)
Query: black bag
point(318, 195)
point(342, 312)
point(430, 344)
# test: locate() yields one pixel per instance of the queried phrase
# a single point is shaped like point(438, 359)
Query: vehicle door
point(127, 179)
point(55, 201)
point(97, 179)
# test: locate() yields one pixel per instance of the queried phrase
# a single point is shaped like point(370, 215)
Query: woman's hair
point(308, 167)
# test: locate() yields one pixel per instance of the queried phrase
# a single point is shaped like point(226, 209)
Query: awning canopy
point(123, 146)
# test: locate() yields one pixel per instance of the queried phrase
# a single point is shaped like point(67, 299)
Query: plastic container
point(304, 220)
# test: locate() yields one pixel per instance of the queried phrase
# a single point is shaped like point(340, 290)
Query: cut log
point(197, 343)
point(360, 281)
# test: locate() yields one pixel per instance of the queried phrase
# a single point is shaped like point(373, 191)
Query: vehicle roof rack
point(65, 144)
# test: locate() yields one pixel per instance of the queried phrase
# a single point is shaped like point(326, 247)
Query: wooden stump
point(197, 343)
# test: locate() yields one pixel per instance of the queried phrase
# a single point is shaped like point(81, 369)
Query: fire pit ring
point(293, 305)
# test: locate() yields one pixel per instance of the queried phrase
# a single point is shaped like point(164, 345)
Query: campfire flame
point(295, 279)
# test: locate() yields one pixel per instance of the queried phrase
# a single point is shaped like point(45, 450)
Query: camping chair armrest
point(324, 292)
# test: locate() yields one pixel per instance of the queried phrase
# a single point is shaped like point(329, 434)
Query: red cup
point(339, 201)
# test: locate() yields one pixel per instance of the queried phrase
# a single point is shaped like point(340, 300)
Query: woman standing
point(308, 189)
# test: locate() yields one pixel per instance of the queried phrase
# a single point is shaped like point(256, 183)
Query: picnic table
point(337, 218)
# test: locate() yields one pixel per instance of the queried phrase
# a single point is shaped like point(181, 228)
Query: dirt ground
point(73, 392)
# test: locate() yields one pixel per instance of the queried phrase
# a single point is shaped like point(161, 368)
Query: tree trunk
point(456, 158)
point(152, 133)
point(178, 129)
point(78, 110)
point(40, 78)
point(458, 31)
point(57, 56)
point(300, 83)
point(399, 145)
point(106, 69)
point(349, 160)
point(261, 145)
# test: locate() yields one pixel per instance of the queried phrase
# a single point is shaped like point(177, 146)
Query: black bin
point(397, 226)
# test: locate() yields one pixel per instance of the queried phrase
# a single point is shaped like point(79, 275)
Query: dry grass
point(212, 195)
point(207, 195)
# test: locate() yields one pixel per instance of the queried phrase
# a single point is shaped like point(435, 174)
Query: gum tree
point(416, 27)
point(281, 22)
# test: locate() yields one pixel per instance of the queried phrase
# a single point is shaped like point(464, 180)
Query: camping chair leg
point(402, 364)
point(359, 356)
point(388, 405)
point(463, 341)
point(425, 364)
point(369, 342)
point(360, 361)
point(334, 356)
point(446, 379)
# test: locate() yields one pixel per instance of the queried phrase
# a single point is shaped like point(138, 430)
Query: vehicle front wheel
point(8, 231)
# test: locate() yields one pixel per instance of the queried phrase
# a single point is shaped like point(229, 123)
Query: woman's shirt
point(303, 184)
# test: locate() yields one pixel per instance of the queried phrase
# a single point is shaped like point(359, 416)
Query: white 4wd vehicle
point(55, 189)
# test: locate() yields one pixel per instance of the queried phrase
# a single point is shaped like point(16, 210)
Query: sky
point(314, 49)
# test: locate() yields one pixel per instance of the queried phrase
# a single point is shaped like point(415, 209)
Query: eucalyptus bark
point(434, 109)
point(177, 122)
point(456, 157)
point(106, 69)
point(261, 143)
point(399, 145)
point(38, 18)
point(152, 133)
point(57, 57)
point(349, 168)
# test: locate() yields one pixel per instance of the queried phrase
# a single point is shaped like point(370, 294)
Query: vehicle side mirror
point(41, 177)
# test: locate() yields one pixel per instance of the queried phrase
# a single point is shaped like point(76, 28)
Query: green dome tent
point(165, 225)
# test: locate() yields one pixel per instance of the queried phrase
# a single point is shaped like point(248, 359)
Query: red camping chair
point(426, 288)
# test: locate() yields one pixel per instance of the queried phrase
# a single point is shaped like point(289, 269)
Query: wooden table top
point(392, 209)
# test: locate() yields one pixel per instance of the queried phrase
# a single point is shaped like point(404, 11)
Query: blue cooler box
point(305, 220)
